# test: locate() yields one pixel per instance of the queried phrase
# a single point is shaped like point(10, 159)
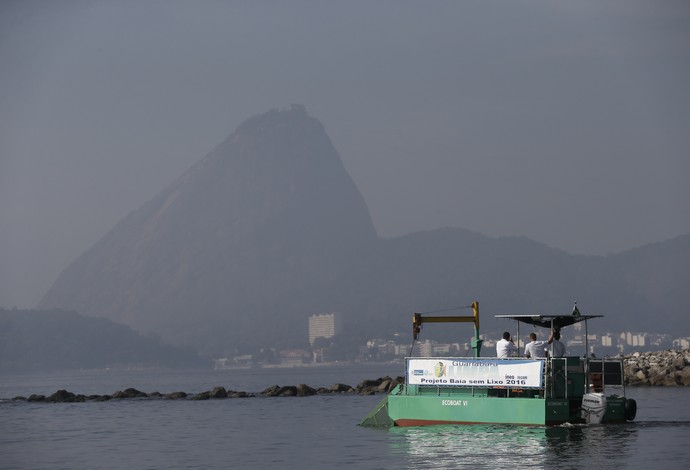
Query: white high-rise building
point(325, 325)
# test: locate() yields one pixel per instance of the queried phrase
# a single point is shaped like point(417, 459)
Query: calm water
point(310, 432)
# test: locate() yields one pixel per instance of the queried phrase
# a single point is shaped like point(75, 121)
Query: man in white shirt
point(535, 349)
point(556, 348)
point(505, 347)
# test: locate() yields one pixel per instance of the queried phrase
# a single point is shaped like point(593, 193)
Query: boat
point(522, 391)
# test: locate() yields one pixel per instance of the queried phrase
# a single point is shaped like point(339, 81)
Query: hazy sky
point(565, 122)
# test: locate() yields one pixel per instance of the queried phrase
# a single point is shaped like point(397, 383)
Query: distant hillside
point(446, 268)
point(659, 272)
point(269, 228)
point(58, 340)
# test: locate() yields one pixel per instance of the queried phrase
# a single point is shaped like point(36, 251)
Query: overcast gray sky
point(565, 122)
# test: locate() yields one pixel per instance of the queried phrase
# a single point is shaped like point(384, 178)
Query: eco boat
point(523, 391)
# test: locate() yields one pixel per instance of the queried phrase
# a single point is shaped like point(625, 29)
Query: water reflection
point(472, 445)
point(483, 446)
point(602, 445)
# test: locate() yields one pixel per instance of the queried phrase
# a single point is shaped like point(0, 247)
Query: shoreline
point(668, 368)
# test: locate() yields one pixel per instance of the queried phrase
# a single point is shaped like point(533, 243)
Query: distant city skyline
point(600, 345)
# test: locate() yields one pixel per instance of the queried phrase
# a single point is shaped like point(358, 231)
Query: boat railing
point(605, 375)
point(569, 377)
point(565, 377)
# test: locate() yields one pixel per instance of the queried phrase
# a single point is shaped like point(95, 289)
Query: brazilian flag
point(576, 311)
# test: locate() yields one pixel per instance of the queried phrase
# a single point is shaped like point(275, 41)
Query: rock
point(679, 362)
point(683, 377)
point(219, 392)
point(340, 388)
point(271, 391)
point(662, 368)
point(202, 396)
point(61, 396)
point(287, 391)
point(663, 379)
point(129, 393)
point(304, 390)
point(370, 387)
point(394, 383)
point(366, 387)
point(384, 385)
point(366, 384)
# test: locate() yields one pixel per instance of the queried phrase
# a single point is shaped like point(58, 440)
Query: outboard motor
point(593, 407)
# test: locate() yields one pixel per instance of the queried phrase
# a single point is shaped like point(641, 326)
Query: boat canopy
point(548, 321)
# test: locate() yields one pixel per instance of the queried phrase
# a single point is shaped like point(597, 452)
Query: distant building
point(426, 348)
point(441, 349)
point(294, 357)
point(325, 325)
point(633, 339)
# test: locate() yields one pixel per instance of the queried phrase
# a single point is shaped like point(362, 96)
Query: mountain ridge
point(269, 228)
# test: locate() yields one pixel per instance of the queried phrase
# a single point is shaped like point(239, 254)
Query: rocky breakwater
point(670, 368)
point(366, 387)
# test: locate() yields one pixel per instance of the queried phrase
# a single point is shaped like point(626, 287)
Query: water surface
point(307, 432)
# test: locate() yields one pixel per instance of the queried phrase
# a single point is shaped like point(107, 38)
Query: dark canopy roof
point(545, 321)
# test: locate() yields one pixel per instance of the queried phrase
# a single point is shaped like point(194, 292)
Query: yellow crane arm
point(418, 319)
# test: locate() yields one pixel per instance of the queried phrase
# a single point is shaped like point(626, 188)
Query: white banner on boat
point(475, 372)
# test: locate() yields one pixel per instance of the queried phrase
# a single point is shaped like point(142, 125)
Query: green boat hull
point(417, 406)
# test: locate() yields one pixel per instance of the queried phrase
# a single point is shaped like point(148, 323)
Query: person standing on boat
point(505, 347)
point(556, 348)
point(535, 349)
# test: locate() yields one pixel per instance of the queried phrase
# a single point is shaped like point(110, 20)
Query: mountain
point(228, 253)
point(59, 340)
point(268, 229)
